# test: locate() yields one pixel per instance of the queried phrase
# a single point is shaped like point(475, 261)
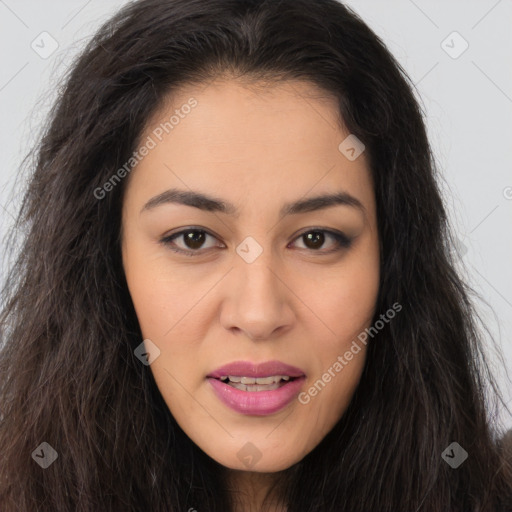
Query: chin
point(250, 458)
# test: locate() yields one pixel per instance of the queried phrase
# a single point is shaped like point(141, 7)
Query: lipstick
point(257, 389)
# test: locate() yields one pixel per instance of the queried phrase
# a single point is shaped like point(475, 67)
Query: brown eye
point(314, 240)
point(192, 241)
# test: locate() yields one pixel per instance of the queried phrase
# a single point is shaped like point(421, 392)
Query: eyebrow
point(212, 204)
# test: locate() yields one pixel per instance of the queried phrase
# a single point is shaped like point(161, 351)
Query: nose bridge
point(258, 299)
point(258, 282)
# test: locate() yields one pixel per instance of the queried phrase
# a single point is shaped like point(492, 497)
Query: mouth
point(257, 390)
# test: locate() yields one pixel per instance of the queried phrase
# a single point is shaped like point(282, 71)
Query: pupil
point(192, 240)
point(316, 237)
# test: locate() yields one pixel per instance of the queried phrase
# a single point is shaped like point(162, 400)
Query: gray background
point(467, 97)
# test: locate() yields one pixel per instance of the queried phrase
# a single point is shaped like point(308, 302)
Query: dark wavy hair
point(68, 373)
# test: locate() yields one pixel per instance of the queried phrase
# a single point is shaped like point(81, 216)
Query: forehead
point(255, 139)
point(286, 117)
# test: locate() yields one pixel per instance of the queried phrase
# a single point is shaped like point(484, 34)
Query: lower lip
point(257, 403)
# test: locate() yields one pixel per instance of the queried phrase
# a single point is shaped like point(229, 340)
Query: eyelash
point(343, 242)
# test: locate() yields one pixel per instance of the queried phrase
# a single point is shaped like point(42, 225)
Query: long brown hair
point(68, 373)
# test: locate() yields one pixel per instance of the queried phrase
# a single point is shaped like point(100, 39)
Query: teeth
point(261, 380)
point(257, 380)
point(255, 383)
point(264, 387)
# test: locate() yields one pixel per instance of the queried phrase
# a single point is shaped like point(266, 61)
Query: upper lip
point(248, 369)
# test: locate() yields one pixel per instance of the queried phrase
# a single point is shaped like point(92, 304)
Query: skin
point(258, 148)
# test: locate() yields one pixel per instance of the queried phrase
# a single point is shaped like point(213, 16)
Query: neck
point(249, 491)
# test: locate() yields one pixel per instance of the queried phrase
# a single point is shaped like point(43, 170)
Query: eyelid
point(167, 240)
point(342, 240)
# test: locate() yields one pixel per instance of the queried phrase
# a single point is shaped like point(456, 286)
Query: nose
point(257, 299)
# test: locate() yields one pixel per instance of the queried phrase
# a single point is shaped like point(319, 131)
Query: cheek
point(159, 292)
point(345, 302)
point(157, 304)
point(345, 297)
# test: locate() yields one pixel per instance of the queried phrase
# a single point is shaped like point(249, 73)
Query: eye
point(193, 241)
point(193, 238)
point(315, 238)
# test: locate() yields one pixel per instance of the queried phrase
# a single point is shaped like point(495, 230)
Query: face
point(235, 270)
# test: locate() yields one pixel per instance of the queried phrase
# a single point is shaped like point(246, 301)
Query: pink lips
point(257, 403)
point(247, 369)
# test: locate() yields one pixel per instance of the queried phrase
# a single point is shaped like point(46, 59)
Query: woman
point(236, 289)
